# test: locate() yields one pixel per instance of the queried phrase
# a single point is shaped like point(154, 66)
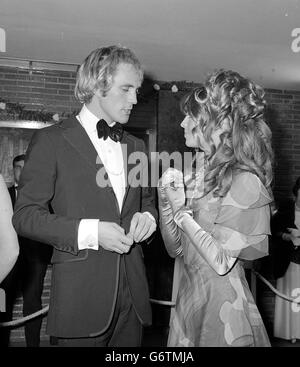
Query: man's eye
point(125, 89)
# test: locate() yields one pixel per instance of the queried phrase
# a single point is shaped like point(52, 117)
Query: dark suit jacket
point(283, 252)
point(61, 169)
point(30, 250)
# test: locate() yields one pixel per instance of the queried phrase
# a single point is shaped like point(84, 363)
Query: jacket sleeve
point(148, 193)
point(32, 217)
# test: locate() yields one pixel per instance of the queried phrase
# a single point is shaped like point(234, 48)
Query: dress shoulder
point(246, 207)
point(244, 216)
point(247, 191)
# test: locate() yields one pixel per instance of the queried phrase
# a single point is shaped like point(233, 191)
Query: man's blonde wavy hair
point(98, 70)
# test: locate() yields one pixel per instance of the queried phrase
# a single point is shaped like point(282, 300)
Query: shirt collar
point(88, 120)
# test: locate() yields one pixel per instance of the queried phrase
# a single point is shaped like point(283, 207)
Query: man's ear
point(99, 93)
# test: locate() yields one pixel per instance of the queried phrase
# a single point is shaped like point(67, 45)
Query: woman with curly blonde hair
point(211, 234)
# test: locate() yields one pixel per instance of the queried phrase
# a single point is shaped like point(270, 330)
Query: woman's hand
point(173, 186)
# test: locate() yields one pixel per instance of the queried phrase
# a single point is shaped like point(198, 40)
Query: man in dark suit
point(30, 269)
point(79, 169)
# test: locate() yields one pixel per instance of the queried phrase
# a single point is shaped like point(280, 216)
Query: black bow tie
point(104, 131)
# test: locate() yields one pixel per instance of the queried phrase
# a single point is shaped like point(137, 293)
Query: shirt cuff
point(88, 234)
point(150, 216)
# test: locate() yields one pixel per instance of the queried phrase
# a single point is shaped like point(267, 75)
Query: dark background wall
point(156, 119)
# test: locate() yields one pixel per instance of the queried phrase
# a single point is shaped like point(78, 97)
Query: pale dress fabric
point(215, 310)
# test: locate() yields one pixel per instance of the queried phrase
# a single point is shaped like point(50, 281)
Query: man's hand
point(141, 227)
point(112, 237)
point(293, 235)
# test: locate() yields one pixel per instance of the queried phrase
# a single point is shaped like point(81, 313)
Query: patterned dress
point(214, 310)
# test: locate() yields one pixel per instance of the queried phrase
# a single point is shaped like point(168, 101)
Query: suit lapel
point(77, 137)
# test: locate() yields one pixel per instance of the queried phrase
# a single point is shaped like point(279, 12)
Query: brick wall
point(52, 90)
point(284, 118)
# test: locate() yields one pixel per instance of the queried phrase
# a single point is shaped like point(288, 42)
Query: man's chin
point(123, 120)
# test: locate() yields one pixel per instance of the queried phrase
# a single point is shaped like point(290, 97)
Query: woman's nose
point(183, 123)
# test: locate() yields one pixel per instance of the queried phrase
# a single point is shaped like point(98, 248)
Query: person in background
point(225, 219)
point(99, 291)
point(286, 242)
point(9, 251)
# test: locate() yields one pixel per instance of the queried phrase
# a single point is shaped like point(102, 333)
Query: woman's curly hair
point(246, 143)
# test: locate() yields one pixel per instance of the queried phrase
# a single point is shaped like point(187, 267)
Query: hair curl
point(98, 70)
point(246, 144)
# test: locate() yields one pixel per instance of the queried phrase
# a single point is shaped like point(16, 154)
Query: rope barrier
point(279, 294)
point(164, 303)
point(44, 310)
point(22, 320)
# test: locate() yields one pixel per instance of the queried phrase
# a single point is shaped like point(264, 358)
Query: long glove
point(205, 244)
point(169, 229)
point(172, 182)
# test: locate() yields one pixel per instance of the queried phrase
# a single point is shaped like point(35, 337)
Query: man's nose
point(133, 98)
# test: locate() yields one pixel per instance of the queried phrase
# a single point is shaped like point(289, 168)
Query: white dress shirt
point(110, 153)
